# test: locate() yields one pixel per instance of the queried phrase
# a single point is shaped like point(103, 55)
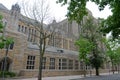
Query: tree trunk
point(40, 56)
point(40, 69)
point(118, 68)
point(84, 72)
point(112, 68)
point(97, 71)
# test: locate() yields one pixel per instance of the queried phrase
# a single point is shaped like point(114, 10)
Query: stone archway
point(5, 66)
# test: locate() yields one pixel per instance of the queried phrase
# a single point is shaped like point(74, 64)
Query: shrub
point(7, 74)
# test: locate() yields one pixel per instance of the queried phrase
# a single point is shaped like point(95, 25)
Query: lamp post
point(6, 53)
point(5, 61)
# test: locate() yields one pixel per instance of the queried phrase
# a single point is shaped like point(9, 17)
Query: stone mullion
point(56, 63)
point(74, 64)
point(47, 63)
point(37, 62)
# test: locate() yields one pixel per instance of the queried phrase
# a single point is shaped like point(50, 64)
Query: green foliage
point(77, 9)
point(9, 41)
point(85, 48)
point(7, 74)
point(113, 51)
point(1, 25)
point(89, 48)
point(4, 41)
point(2, 45)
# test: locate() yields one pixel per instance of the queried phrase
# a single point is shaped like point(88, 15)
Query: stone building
point(61, 56)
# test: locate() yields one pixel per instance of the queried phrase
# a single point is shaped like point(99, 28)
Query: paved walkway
point(53, 78)
point(105, 76)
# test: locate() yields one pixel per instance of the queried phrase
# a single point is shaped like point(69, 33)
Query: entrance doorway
point(5, 64)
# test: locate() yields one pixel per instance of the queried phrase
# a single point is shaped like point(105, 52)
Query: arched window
point(5, 64)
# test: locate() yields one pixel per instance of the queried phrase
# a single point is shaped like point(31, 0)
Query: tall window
point(43, 62)
point(19, 28)
point(29, 34)
point(81, 65)
point(62, 63)
point(65, 43)
point(22, 30)
point(25, 30)
point(65, 27)
point(30, 62)
point(71, 45)
point(70, 65)
point(52, 63)
point(70, 28)
point(51, 41)
point(31, 39)
point(76, 64)
point(34, 36)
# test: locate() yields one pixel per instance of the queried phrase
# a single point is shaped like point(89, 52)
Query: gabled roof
point(53, 49)
point(2, 7)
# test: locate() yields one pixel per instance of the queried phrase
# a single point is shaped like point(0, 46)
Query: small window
point(11, 45)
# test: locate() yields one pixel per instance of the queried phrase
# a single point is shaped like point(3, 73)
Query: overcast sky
point(60, 12)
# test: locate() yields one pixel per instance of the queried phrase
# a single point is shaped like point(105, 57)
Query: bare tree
point(39, 12)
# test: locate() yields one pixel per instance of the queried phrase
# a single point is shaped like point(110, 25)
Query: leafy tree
point(77, 9)
point(85, 48)
point(113, 52)
point(90, 50)
point(118, 58)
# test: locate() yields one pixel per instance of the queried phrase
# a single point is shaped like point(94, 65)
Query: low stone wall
point(49, 73)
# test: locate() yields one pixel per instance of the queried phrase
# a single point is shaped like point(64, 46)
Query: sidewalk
point(71, 77)
point(53, 78)
point(62, 77)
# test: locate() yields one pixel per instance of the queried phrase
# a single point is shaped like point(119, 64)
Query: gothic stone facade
point(61, 56)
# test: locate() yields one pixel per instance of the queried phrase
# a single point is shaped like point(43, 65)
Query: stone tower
point(14, 17)
point(15, 10)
